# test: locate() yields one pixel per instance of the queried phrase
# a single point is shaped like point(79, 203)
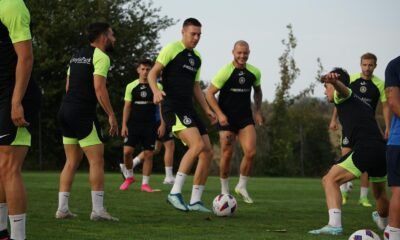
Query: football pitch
point(284, 208)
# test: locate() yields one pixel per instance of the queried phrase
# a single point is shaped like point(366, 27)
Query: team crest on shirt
point(191, 61)
point(143, 94)
point(242, 80)
point(345, 141)
point(187, 120)
point(363, 89)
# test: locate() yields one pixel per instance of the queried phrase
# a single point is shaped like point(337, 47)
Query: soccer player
point(19, 105)
point(139, 126)
point(392, 89)
point(371, 89)
point(180, 64)
point(367, 154)
point(235, 118)
point(86, 85)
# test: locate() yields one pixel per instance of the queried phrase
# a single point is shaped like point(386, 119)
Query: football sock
point(335, 217)
point(343, 187)
point(129, 173)
point(145, 179)
point(97, 201)
point(179, 181)
point(17, 224)
point(136, 161)
point(363, 192)
point(224, 185)
point(3, 216)
point(242, 182)
point(197, 191)
point(168, 172)
point(394, 233)
point(63, 198)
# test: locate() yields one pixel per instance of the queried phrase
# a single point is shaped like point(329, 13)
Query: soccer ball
point(364, 234)
point(386, 234)
point(224, 205)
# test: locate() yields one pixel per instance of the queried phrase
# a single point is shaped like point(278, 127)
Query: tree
point(58, 31)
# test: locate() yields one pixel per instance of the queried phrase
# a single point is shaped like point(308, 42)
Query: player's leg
point(227, 141)
point(247, 139)
point(380, 216)
point(11, 160)
point(129, 176)
point(192, 138)
point(73, 154)
point(201, 175)
point(363, 201)
point(169, 148)
point(95, 156)
point(147, 169)
point(344, 188)
point(3, 214)
point(340, 173)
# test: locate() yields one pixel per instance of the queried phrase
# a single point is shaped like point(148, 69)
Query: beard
point(109, 46)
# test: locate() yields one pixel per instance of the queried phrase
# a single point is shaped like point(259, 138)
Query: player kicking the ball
point(367, 155)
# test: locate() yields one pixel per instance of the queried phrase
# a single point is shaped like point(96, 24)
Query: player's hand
point(17, 115)
point(113, 125)
point(223, 120)
point(124, 131)
point(333, 125)
point(161, 130)
point(212, 117)
point(158, 96)
point(330, 78)
point(259, 118)
point(386, 135)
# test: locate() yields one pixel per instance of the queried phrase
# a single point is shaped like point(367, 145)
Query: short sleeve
point(222, 76)
point(15, 16)
point(339, 99)
point(101, 63)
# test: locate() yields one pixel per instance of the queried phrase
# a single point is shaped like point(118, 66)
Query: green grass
point(295, 204)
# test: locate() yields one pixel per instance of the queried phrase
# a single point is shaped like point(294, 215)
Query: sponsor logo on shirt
point(81, 60)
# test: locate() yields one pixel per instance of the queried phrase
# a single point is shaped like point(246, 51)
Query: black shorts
point(11, 135)
point(79, 125)
point(168, 135)
point(393, 165)
point(143, 134)
point(181, 119)
point(367, 157)
point(235, 125)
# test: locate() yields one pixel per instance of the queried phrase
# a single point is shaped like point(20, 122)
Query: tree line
point(293, 142)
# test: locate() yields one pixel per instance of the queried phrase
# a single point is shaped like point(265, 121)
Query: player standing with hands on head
point(367, 154)
point(19, 106)
point(180, 65)
point(235, 117)
point(86, 85)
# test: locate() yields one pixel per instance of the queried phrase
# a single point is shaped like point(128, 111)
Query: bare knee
point(250, 154)
point(197, 147)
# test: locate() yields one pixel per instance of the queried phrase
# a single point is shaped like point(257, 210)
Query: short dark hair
point(369, 55)
point(191, 21)
point(94, 30)
point(145, 62)
point(343, 75)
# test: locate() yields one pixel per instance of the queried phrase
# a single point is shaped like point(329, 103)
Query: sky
point(336, 31)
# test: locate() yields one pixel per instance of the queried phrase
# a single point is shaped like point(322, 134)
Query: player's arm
point(199, 95)
point(22, 75)
point(257, 102)
point(67, 84)
point(161, 128)
point(333, 125)
point(393, 99)
point(333, 78)
point(104, 101)
point(212, 101)
point(125, 117)
point(158, 95)
point(386, 118)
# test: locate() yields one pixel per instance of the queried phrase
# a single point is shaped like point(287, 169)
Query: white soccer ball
point(386, 234)
point(224, 205)
point(364, 234)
